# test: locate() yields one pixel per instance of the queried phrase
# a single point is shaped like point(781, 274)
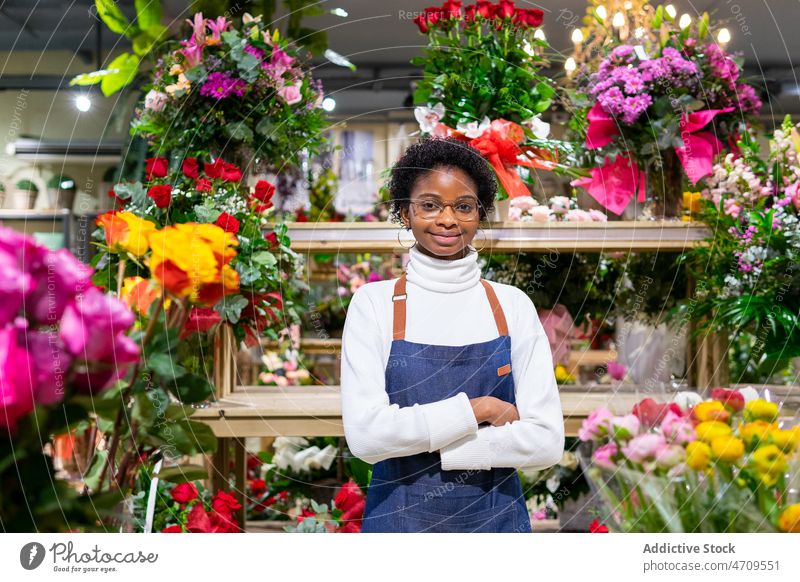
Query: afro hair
point(435, 153)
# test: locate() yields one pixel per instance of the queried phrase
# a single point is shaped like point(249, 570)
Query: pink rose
point(524, 203)
point(603, 456)
point(577, 215)
point(625, 427)
point(515, 214)
point(596, 425)
point(290, 94)
point(540, 214)
point(643, 447)
point(598, 216)
point(670, 455)
point(155, 100)
point(677, 429)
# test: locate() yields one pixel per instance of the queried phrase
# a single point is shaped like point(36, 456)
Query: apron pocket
point(455, 511)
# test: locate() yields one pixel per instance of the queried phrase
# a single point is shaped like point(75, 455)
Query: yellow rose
point(789, 520)
point(768, 459)
point(785, 440)
point(756, 431)
point(126, 232)
point(711, 410)
point(698, 454)
point(691, 201)
point(761, 410)
point(711, 429)
point(727, 448)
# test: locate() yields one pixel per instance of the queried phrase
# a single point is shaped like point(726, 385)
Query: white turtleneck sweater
point(447, 305)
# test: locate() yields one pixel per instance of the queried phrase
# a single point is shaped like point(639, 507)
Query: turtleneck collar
point(443, 275)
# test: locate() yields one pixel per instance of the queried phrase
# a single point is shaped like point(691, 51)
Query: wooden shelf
point(675, 236)
point(266, 411)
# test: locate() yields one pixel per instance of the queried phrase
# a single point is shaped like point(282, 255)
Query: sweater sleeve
point(536, 440)
point(375, 429)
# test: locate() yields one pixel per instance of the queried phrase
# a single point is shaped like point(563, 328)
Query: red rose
point(263, 207)
point(350, 527)
point(264, 191)
point(535, 17)
point(732, 399)
point(283, 494)
point(156, 168)
point(258, 486)
point(214, 170)
point(222, 523)
point(650, 413)
point(198, 521)
point(300, 216)
point(161, 194)
point(470, 12)
point(504, 9)
point(201, 319)
point(231, 173)
point(354, 513)
point(422, 23)
point(349, 495)
point(485, 8)
point(304, 514)
point(225, 503)
point(227, 223)
point(184, 493)
point(203, 185)
point(597, 527)
point(253, 462)
point(190, 168)
point(272, 238)
point(452, 9)
point(172, 529)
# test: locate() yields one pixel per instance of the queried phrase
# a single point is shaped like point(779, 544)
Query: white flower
point(577, 215)
point(514, 214)
point(687, 399)
point(524, 203)
point(598, 216)
point(428, 118)
point(559, 204)
point(473, 129)
point(539, 128)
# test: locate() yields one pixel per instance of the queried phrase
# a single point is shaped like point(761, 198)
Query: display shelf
point(41, 217)
point(676, 236)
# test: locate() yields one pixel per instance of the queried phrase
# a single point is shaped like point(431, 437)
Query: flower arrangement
point(659, 108)
point(748, 283)
point(558, 209)
point(344, 516)
point(221, 267)
point(719, 465)
point(238, 92)
point(481, 84)
point(189, 509)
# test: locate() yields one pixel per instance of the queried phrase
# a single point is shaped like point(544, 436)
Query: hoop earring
point(477, 250)
point(401, 244)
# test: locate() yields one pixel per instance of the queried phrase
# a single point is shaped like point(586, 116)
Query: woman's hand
point(493, 410)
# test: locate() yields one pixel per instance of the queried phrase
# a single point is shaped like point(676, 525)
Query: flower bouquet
point(747, 275)
point(720, 465)
point(481, 84)
point(558, 209)
point(344, 516)
point(187, 508)
point(662, 110)
point(238, 92)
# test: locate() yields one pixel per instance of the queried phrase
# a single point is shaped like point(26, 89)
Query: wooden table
point(271, 411)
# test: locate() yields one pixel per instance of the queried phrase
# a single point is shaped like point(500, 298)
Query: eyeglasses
point(465, 210)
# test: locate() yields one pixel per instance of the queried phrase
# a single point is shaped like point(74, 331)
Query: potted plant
point(60, 192)
point(24, 197)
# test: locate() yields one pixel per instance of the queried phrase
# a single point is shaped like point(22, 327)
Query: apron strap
point(400, 296)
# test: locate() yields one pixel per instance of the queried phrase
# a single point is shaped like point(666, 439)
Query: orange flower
point(192, 260)
point(126, 232)
point(139, 293)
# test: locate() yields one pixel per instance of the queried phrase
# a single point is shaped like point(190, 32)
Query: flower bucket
point(58, 198)
point(19, 199)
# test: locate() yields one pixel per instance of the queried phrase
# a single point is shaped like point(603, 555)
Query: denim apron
point(413, 493)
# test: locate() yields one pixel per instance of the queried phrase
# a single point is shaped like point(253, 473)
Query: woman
point(434, 392)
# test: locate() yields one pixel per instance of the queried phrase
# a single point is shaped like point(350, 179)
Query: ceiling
point(380, 38)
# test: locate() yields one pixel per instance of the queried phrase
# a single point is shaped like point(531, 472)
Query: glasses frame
point(443, 205)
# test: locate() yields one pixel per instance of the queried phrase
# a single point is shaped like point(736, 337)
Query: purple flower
point(254, 51)
point(222, 85)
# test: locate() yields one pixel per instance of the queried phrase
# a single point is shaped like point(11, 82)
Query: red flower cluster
point(597, 527)
point(262, 196)
point(650, 413)
point(733, 400)
point(350, 499)
point(483, 10)
point(218, 520)
point(157, 168)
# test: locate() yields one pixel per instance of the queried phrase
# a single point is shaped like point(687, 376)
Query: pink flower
point(524, 203)
point(603, 457)
point(625, 427)
point(577, 215)
point(677, 428)
point(155, 100)
point(670, 455)
point(541, 214)
point(193, 53)
point(616, 370)
point(793, 192)
point(198, 25)
point(598, 216)
point(596, 425)
point(515, 214)
point(614, 184)
point(291, 93)
point(643, 447)
point(731, 207)
point(16, 396)
point(429, 117)
point(217, 27)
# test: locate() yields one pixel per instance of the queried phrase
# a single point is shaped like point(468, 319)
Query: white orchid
point(539, 128)
point(473, 129)
point(429, 117)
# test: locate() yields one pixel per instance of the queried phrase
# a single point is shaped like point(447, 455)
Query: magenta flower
point(198, 25)
point(677, 428)
point(16, 395)
point(222, 85)
point(596, 425)
point(643, 447)
point(217, 26)
point(616, 370)
point(603, 457)
point(193, 53)
point(60, 278)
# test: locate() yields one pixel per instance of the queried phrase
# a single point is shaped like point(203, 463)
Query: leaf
point(163, 365)
point(206, 214)
point(191, 388)
point(659, 17)
point(92, 78)
point(193, 437)
point(122, 71)
point(265, 258)
point(183, 473)
point(196, 74)
point(148, 13)
point(239, 131)
point(102, 407)
point(265, 127)
point(248, 273)
point(702, 27)
point(114, 19)
point(230, 308)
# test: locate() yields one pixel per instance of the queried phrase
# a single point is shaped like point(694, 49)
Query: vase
point(500, 213)
point(665, 187)
point(20, 199)
point(58, 198)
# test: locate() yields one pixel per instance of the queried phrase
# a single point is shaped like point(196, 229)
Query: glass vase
point(665, 187)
